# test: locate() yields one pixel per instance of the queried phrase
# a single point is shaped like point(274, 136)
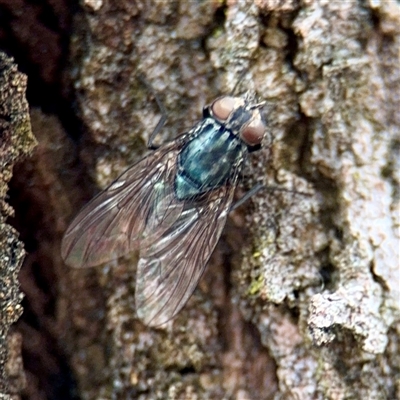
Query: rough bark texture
point(16, 141)
point(301, 297)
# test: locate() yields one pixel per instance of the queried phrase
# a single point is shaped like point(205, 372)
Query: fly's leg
point(255, 189)
point(259, 186)
point(163, 118)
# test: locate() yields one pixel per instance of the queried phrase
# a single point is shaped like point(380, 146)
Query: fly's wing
point(139, 204)
point(170, 268)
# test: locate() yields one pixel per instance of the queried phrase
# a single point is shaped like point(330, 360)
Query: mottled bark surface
point(301, 298)
point(16, 141)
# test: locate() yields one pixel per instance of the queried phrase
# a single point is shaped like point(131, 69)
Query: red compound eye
point(223, 107)
point(253, 133)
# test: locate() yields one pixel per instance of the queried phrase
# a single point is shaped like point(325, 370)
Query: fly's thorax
point(207, 160)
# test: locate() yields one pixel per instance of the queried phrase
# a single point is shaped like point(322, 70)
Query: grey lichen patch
point(351, 145)
point(16, 141)
point(356, 305)
point(329, 32)
point(287, 244)
point(346, 102)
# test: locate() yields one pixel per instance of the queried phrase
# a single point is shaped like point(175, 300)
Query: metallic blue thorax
point(206, 160)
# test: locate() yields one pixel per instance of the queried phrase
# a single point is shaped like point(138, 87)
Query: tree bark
point(16, 142)
point(301, 297)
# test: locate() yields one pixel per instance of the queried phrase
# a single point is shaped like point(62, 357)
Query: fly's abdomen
point(206, 161)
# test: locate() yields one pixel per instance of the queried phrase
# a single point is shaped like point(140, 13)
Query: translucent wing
point(170, 268)
point(139, 204)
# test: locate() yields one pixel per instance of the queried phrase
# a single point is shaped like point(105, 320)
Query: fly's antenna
point(250, 95)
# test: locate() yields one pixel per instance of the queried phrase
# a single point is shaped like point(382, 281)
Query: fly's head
point(240, 115)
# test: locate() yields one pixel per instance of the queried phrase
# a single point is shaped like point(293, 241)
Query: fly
point(171, 206)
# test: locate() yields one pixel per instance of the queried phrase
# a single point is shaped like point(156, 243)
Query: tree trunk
point(301, 297)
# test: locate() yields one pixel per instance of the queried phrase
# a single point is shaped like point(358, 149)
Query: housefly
point(171, 206)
